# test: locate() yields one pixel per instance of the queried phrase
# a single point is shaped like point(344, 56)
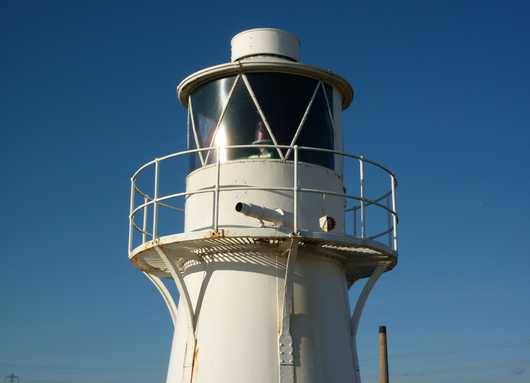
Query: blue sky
point(443, 98)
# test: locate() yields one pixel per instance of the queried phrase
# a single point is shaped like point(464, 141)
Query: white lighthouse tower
point(271, 226)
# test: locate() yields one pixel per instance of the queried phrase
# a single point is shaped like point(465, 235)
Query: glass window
point(208, 102)
point(283, 99)
point(242, 125)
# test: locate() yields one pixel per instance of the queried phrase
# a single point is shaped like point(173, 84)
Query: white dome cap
point(265, 41)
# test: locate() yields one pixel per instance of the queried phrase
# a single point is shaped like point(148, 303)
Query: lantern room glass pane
point(283, 99)
point(208, 102)
point(242, 125)
point(317, 132)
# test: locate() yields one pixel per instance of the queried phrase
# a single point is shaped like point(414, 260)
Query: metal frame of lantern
point(195, 80)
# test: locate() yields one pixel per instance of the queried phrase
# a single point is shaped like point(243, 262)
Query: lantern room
point(265, 97)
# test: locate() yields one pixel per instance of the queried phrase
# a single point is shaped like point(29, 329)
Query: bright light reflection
point(220, 143)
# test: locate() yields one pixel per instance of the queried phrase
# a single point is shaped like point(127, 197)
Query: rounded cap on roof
point(265, 42)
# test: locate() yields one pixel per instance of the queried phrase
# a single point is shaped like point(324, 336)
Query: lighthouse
point(263, 222)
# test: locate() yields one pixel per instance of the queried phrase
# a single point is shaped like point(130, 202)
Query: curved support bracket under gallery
point(356, 316)
point(166, 295)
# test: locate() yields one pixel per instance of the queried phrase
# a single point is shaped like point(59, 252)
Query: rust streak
point(195, 363)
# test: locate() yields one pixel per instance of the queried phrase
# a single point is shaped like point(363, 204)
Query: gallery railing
point(385, 201)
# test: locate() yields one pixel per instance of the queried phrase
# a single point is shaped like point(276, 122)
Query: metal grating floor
point(359, 257)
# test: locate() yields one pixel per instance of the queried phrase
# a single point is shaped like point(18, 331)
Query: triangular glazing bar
point(195, 134)
point(328, 104)
point(188, 145)
point(262, 115)
point(222, 115)
point(304, 117)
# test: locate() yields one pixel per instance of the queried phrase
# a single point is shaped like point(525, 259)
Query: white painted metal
point(362, 191)
point(144, 221)
point(243, 76)
point(237, 331)
point(181, 286)
point(276, 216)
point(217, 192)
point(389, 222)
point(264, 64)
point(263, 291)
point(155, 206)
point(131, 216)
point(190, 340)
point(281, 188)
point(394, 215)
point(285, 338)
point(296, 190)
point(265, 42)
point(243, 175)
point(356, 316)
point(229, 273)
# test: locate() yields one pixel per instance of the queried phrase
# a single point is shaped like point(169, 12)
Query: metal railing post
point(394, 213)
point(218, 177)
point(155, 201)
point(295, 190)
point(389, 221)
point(362, 187)
point(131, 208)
point(144, 223)
point(354, 222)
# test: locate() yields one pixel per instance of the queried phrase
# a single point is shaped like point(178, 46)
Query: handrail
point(371, 202)
point(353, 208)
point(145, 195)
point(360, 158)
point(216, 189)
point(140, 230)
point(380, 234)
point(250, 146)
point(348, 155)
point(170, 196)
